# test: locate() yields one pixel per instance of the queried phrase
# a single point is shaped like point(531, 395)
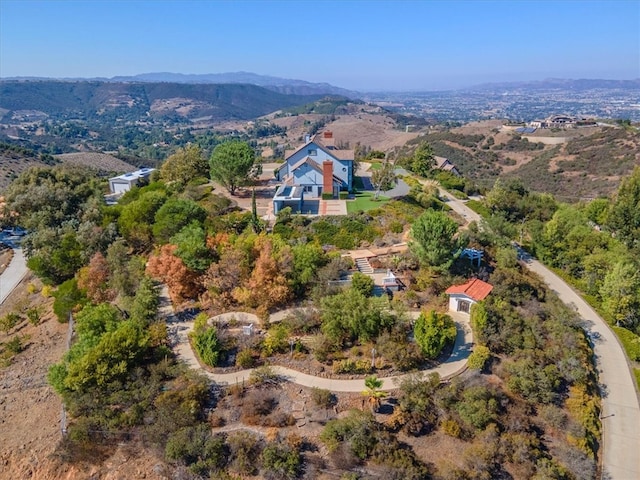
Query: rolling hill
point(571, 164)
point(87, 100)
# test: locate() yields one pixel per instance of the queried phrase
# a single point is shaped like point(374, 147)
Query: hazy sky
point(362, 45)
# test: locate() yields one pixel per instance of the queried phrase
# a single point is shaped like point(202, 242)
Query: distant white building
point(124, 183)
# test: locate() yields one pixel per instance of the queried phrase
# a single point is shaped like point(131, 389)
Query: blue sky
point(362, 45)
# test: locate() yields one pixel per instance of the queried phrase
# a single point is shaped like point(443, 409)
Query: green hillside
point(136, 100)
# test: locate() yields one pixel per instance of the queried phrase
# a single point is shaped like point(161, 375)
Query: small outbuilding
point(125, 182)
point(461, 297)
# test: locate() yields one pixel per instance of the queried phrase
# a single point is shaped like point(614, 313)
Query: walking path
point(455, 364)
point(13, 274)
point(620, 414)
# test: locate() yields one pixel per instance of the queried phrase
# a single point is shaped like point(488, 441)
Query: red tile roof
point(475, 289)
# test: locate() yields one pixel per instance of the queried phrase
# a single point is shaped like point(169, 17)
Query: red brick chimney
point(328, 140)
point(327, 177)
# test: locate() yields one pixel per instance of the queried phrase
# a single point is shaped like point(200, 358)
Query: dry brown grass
point(99, 161)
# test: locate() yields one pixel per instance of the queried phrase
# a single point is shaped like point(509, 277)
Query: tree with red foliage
point(94, 278)
point(183, 283)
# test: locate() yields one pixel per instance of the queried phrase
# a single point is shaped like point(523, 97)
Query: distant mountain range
point(302, 87)
point(281, 85)
point(561, 84)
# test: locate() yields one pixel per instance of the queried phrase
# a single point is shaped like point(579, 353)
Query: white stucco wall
point(455, 298)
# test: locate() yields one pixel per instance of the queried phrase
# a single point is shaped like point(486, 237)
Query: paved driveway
point(620, 414)
point(13, 274)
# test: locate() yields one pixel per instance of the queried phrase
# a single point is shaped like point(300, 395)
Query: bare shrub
point(257, 403)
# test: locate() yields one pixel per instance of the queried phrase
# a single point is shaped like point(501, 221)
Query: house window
point(312, 152)
point(308, 188)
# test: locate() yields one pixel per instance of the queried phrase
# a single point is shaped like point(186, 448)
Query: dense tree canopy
point(185, 165)
point(423, 160)
point(175, 214)
point(432, 239)
point(433, 331)
point(232, 164)
point(624, 217)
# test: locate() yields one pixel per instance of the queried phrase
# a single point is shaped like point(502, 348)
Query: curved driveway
point(620, 414)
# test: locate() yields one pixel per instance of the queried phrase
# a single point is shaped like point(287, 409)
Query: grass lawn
point(364, 201)
point(375, 166)
point(479, 208)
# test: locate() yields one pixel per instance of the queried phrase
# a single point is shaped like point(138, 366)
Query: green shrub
point(276, 340)
point(479, 208)
point(433, 332)
point(362, 283)
point(344, 195)
point(630, 341)
point(245, 359)
point(68, 299)
point(207, 346)
point(15, 345)
point(322, 397)
point(9, 321)
point(396, 227)
point(281, 461)
point(479, 357)
point(327, 196)
point(33, 314)
point(352, 366)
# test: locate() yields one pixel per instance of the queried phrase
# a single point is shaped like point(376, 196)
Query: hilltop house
point(443, 163)
point(313, 169)
point(125, 182)
point(461, 297)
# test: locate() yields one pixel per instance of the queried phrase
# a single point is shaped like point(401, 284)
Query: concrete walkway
point(455, 364)
point(620, 414)
point(13, 274)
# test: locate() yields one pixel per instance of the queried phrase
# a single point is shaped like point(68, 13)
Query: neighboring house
point(124, 183)
point(444, 164)
point(315, 168)
point(461, 297)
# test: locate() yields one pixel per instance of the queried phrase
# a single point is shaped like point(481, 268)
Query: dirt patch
point(99, 161)
point(30, 411)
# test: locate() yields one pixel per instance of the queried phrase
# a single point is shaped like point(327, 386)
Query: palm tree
point(373, 391)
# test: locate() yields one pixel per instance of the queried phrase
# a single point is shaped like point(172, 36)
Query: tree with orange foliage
point(267, 286)
point(167, 267)
point(94, 280)
point(222, 278)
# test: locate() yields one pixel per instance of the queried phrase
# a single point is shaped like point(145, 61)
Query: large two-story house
point(314, 169)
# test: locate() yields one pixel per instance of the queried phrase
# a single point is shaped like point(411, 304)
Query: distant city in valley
point(519, 102)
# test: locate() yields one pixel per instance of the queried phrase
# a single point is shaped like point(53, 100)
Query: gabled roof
point(309, 162)
point(337, 154)
point(475, 289)
point(312, 164)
